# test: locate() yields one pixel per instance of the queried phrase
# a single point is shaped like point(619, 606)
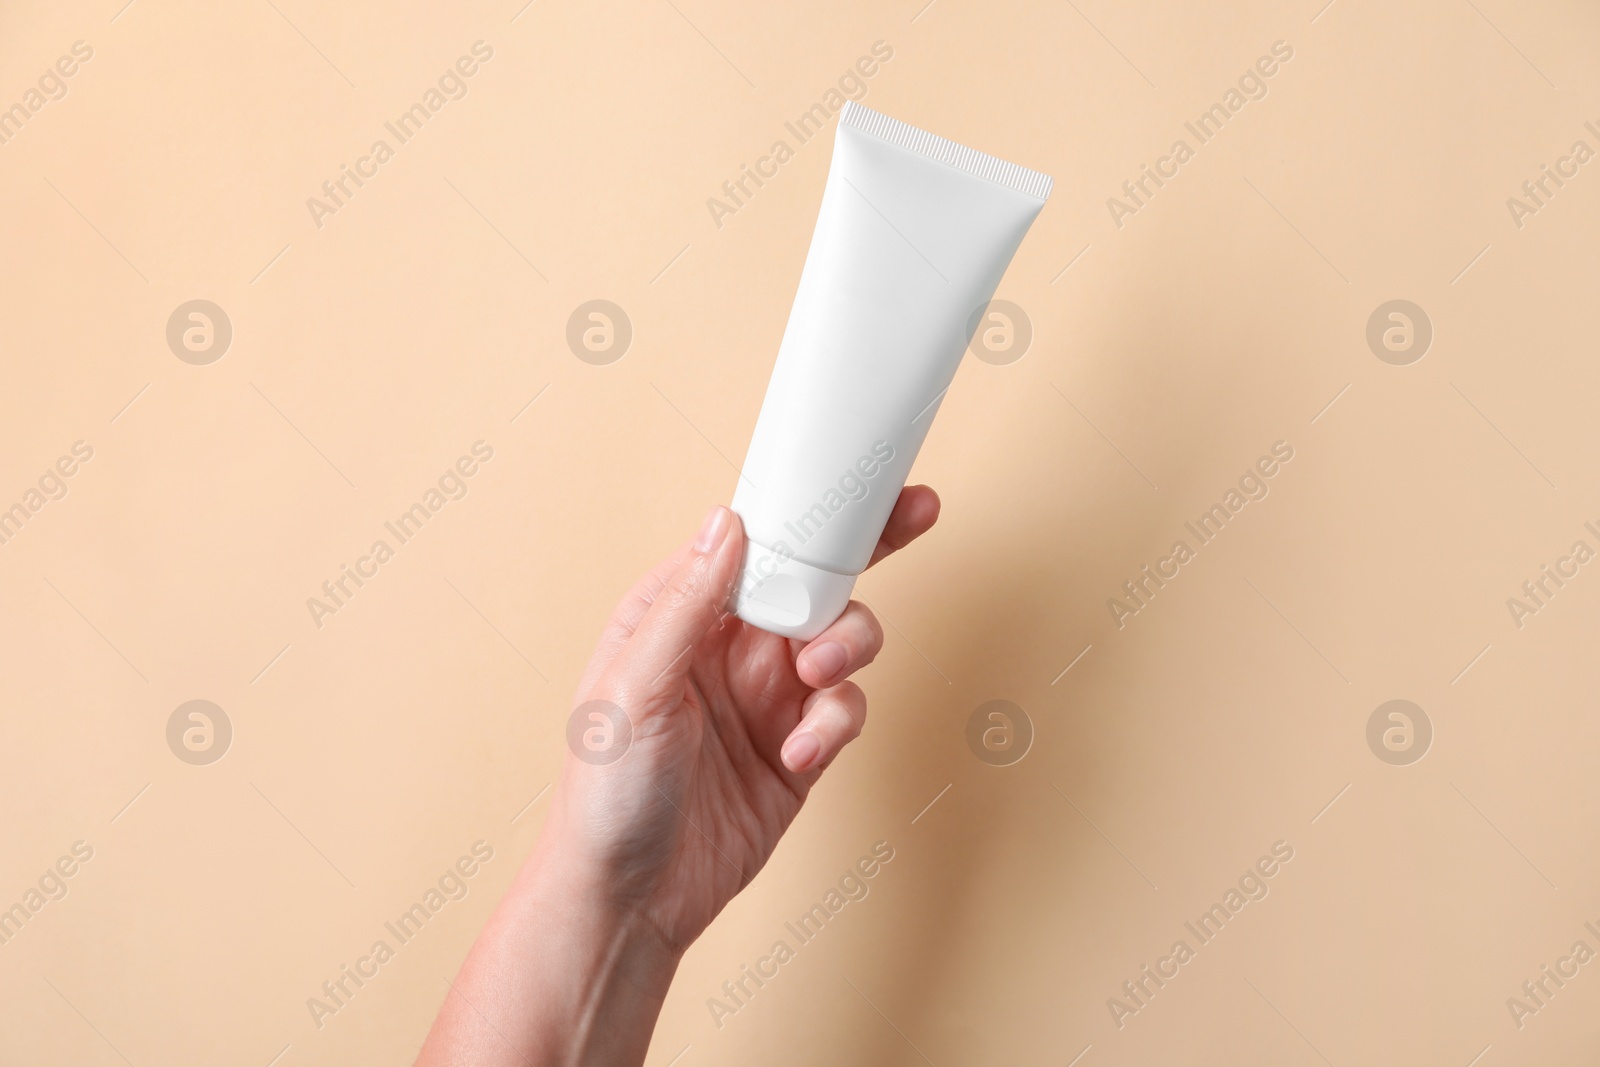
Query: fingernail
point(713, 530)
point(827, 659)
point(801, 751)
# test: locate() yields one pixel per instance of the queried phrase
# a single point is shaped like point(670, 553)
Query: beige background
point(426, 715)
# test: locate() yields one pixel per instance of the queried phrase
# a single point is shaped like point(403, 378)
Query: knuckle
point(875, 632)
point(692, 585)
point(866, 638)
point(852, 705)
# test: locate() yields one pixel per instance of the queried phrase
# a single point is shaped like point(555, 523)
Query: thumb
point(691, 603)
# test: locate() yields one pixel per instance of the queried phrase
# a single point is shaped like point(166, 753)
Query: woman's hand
point(694, 741)
point(727, 728)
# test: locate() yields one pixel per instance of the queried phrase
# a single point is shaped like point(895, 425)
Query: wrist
point(603, 968)
point(601, 849)
point(574, 884)
point(587, 976)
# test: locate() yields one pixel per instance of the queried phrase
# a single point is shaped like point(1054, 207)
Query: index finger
point(914, 514)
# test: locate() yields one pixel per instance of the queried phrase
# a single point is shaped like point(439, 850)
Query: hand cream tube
point(911, 240)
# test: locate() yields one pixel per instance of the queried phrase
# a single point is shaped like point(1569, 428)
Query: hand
point(728, 728)
point(725, 729)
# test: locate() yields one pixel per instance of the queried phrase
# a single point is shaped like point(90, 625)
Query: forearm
point(559, 976)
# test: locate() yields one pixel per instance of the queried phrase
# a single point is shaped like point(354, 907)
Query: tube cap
point(781, 595)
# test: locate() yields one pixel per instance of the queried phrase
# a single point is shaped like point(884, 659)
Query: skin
point(729, 727)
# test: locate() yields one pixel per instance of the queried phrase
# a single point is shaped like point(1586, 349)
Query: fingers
point(914, 514)
point(832, 719)
point(691, 602)
point(852, 641)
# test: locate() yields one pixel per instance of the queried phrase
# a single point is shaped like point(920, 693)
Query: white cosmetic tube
point(911, 240)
